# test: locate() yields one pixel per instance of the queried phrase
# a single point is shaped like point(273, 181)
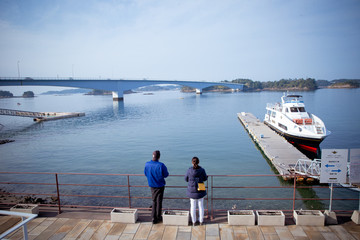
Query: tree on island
point(6, 94)
point(28, 94)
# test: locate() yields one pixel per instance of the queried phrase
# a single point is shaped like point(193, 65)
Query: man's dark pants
point(157, 195)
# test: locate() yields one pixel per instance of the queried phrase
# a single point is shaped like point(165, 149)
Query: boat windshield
point(297, 109)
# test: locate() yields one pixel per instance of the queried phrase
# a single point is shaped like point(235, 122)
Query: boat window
point(286, 110)
point(293, 109)
point(301, 109)
point(273, 114)
point(282, 126)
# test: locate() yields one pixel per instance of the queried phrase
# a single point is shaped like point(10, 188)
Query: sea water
point(119, 137)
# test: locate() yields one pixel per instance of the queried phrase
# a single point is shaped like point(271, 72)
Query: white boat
point(290, 119)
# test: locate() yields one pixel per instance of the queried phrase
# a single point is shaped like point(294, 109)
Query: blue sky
point(203, 40)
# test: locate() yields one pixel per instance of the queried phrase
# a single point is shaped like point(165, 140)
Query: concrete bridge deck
point(116, 86)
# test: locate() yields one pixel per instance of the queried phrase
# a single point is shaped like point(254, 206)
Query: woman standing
point(195, 175)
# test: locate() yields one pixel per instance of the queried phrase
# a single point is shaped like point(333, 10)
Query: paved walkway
point(89, 225)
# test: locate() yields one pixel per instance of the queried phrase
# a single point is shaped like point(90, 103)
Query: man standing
point(156, 172)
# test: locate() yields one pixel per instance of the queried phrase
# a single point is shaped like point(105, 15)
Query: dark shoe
point(154, 221)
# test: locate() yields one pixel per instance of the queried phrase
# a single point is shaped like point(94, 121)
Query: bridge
point(116, 86)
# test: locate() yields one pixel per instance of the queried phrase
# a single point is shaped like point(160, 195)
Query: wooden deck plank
point(4, 219)
point(143, 231)
point(341, 232)
point(298, 232)
point(90, 229)
point(116, 231)
point(226, 232)
point(131, 228)
point(240, 232)
point(51, 229)
point(254, 232)
point(170, 233)
point(17, 235)
point(198, 233)
point(64, 229)
point(313, 233)
point(269, 232)
point(41, 227)
point(102, 231)
point(127, 236)
point(212, 230)
point(184, 233)
point(183, 236)
point(185, 229)
point(77, 230)
point(156, 232)
point(284, 233)
point(8, 223)
point(271, 236)
point(330, 236)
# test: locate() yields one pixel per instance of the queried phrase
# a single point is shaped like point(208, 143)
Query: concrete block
point(309, 218)
point(124, 215)
point(241, 217)
point(176, 217)
point(26, 208)
point(270, 218)
point(356, 217)
point(330, 218)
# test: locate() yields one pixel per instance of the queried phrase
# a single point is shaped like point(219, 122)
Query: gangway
point(308, 168)
point(40, 116)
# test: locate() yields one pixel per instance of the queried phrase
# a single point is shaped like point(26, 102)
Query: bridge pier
point(198, 90)
point(118, 96)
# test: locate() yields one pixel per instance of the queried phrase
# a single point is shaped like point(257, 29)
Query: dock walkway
point(40, 116)
point(280, 152)
point(86, 226)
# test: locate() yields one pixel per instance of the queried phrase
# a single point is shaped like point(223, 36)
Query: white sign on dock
point(333, 165)
point(355, 165)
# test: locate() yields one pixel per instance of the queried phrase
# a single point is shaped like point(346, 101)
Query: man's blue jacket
point(156, 172)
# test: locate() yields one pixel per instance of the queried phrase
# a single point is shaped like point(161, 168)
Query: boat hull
point(308, 144)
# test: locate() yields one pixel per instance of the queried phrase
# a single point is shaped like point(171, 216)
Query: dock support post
point(294, 194)
point(118, 96)
point(331, 196)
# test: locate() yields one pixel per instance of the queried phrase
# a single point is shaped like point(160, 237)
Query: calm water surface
point(120, 137)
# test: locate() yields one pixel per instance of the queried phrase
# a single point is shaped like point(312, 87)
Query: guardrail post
point(212, 204)
point(294, 194)
point(128, 185)
point(207, 202)
point(58, 192)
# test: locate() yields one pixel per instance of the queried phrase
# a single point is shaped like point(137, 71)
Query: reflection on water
point(119, 137)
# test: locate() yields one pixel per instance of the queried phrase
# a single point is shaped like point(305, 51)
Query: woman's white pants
point(200, 203)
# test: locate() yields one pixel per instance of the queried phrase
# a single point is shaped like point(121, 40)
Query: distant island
point(300, 84)
point(7, 94)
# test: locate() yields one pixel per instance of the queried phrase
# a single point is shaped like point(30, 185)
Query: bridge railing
point(224, 192)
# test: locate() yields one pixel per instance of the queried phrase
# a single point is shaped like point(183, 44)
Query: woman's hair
point(195, 162)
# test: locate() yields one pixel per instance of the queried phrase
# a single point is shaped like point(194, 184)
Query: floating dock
point(280, 152)
point(40, 116)
point(48, 116)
